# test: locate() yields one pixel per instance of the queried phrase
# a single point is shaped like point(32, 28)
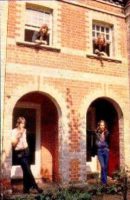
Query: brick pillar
point(74, 170)
point(6, 151)
point(76, 144)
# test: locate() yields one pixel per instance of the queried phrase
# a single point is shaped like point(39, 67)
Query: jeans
point(103, 157)
point(28, 179)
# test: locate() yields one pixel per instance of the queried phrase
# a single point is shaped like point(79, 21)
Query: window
point(35, 17)
point(99, 30)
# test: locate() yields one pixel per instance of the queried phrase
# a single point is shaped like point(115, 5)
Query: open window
point(105, 30)
point(35, 17)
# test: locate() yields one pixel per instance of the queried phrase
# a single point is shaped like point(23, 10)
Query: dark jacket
point(40, 36)
point(100, 48)
point(97, 144)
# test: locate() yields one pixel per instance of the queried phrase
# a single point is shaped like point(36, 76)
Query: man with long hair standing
point(102, 143)
point(20, 146)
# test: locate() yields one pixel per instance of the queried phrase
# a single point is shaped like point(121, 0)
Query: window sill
point(36, 46)
point(109, 59)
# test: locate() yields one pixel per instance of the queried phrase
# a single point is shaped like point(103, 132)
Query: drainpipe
point(3, 44)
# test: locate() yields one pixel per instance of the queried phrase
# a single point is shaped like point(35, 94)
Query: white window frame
point(110, 41)
point(36, 168)
point(43, 9)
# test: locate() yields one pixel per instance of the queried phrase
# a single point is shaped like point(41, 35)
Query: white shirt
point(22, 143)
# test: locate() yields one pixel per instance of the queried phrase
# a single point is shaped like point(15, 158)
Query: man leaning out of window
point(41, 36)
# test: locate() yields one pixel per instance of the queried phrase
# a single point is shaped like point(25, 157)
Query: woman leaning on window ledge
point(42, 36)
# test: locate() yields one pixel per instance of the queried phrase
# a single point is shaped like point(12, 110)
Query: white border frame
point(37, 166)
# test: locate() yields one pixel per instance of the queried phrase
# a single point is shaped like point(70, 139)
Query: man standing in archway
point(20, 146)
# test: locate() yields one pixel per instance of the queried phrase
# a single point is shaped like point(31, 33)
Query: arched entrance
point(42, 114)
point(106, 109)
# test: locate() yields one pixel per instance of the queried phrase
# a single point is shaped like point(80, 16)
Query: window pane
point(107, 30)
point(93, 34)
point(102, 29)
point(37, 18)
point(28, 35)
point(107, 37)
point(108, 49)
point(97, 28)
point(93, 27)
point(31, 17)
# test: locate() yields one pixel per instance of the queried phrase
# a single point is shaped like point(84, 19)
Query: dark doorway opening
point(49, 142)
point(100, 109)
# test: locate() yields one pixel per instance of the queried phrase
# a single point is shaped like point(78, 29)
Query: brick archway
point(42, 119)
point(104, 109)
point(60, 103)
point(119, 107)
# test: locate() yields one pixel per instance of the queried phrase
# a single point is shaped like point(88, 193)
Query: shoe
point(40, 190)
point(33, 191)
point(26, 191)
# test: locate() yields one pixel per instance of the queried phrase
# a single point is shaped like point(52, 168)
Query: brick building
point(63, 89)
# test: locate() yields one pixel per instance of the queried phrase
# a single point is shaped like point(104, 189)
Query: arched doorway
point(42, 115)
point(106, 109)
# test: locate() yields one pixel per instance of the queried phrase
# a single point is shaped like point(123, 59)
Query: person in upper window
point(41, 36)
point(100, 45)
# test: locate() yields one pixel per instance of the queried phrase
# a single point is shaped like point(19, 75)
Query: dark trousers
point(28, 179)
point(103, 157)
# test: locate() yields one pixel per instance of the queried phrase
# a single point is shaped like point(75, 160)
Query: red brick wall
point(74, 28)
point(74, 170)
point(73, 35)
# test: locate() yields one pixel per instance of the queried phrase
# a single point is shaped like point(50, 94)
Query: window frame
point(39, 8)
point(110, 41)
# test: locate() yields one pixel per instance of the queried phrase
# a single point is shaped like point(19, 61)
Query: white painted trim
point(92, 165)
point(109, 3)
point(65, 74)
point(50, 5)
point(37, 166)
point(110, 20)
point(90, 7)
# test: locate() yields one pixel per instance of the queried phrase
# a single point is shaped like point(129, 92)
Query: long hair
point(44, 26)
point(100, 40)
point(98, 126)
point(20, 120)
